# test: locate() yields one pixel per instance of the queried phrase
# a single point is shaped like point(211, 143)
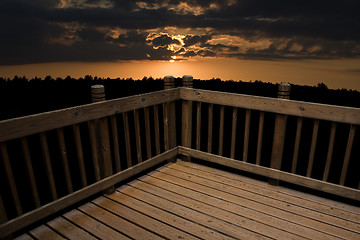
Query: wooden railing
point(53, 160)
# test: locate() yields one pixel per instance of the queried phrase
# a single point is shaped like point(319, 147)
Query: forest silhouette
point(20, 96)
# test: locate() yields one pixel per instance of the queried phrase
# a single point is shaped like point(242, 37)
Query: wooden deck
point(189, 201)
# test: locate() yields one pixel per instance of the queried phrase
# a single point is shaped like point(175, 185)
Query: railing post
point(102, 137)
point(186, 117)
point(169, 116)
point(279, 133)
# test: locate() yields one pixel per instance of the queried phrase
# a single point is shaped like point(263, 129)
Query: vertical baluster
point(221, 130)
point(30, 171)
point(169, 83)
point(80, 154)
point(47, 160)
point(115, 138)
point(210, 127)
point(147, 132)
point(186, 124)
point(347, 154)
point(94, 148)
point(198, 125)
point(127, 138)
point(105, 148)
point(157, 129)
point(64, 159)
point(246, 135)
point(313, 147)
point(260, 137)
point(330, 151)
point(10, 178)
point(233, 132)
point(297, 144)
point(137, 136)
point(166, 125)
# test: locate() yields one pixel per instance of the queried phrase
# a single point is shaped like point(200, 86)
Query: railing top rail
point(24, 126)
point(283, 106)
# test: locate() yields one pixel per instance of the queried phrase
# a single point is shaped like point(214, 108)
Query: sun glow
point(173, 59)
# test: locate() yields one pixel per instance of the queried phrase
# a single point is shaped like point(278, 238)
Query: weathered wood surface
point(24, 126)
point(60, 204)
point(282, 106)
point(184, 200)
point(275, 174)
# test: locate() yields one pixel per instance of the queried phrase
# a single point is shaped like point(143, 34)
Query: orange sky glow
point(335, 74)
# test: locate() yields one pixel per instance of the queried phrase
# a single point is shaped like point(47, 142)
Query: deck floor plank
point(221, 215)
point(240, 210)
point(255, 202)
point(169, 218)
point(266, 197)
point(24, 237)
point(117, 223)
point(313, 202)
point(69, 230)
point(43, 232)
point(184, 200)
point(346, 208)
point(92, 226)
point(143, 218)
point(190, 214)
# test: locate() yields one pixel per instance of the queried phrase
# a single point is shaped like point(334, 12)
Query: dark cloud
point(164, 40)
point(109, 30)
point(191, 40)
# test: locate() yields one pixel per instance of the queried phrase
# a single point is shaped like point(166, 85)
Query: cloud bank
point(41, 31)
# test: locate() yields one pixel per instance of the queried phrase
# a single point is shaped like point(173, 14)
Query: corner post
point(169, 116)
point(279, 133)
point(186, 117)
point(102, 137)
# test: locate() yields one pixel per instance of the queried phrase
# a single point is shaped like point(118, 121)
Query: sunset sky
point(301, 42)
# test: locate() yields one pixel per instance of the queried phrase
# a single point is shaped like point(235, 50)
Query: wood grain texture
point(137, 136)
point(210, 127)
point(281, 106)
point(115, 137)
point(347, 154)
point(24, 220)
point(233, 133)
point(24, 126)
point(157, 129)
point(260, 138)
point(275, 174)
point(330, 151)
point(147, 132)
point(94, 147)
point(246, 135)
point(198, 125)
point(48, 165)
point(80, 155)
point(127, 138)
point(221, 131)
point(313, 148)
point(297, 144)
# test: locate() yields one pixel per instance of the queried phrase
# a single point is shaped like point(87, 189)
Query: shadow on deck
point(185, 200)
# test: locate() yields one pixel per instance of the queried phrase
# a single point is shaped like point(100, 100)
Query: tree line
point(20, 96)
